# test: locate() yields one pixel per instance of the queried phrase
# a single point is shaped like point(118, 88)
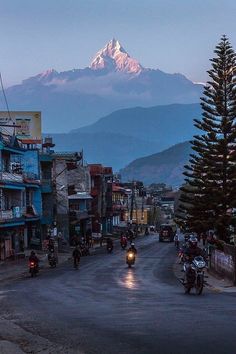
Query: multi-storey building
point(101, 191)
point(70, 178)
point(46, 169)
point(20, 197)
point(119, 204)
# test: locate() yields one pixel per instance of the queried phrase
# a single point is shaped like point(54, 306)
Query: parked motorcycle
point(33, 268)
point(130, 258)
point(194, 275)
point(52, 260)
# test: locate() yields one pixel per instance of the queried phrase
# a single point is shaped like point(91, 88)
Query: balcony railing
point(14, 213)
point(11, 177)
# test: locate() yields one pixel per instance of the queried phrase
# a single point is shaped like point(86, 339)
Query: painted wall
point(31, 164)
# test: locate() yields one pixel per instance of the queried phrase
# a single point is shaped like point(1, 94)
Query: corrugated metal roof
point(80, 195)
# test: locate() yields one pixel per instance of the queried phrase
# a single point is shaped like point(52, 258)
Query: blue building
point(20, 198)
point(47, 189)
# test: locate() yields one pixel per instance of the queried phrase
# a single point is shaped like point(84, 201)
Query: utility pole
point(132, 202)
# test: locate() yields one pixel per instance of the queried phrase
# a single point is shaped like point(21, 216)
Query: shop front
point(33, 229)
point(11, 242)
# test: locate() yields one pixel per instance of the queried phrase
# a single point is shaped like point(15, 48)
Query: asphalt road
point(106, 308)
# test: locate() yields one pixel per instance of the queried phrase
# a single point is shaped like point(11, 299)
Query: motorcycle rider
point(123, 240)
point(51, 248)
point(76, 256)
point(132, 248)
point(34, 259)
point(189, 253)
point(176, 239)
point(109, 243)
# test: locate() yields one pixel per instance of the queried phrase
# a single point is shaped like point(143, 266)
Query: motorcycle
point(130, 258)
point(181, 256)
point(123, 244)
point(109, 248)
point(84, 250)
point(194, 275)
point(52, 260)
point(33, 268)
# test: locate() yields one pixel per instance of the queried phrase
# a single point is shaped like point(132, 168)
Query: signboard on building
point(28, 125)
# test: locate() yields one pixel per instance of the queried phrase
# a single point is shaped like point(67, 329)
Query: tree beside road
point(208, 197)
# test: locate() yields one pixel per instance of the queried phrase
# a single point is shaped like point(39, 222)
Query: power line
point(5, 98)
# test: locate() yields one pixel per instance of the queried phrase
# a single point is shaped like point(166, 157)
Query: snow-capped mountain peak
point(114, 57)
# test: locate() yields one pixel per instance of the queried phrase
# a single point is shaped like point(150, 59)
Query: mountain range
point(114, 80)
point(166, 166)
point(125, 135)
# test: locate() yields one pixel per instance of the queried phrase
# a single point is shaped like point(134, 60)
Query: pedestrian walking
point(203, 237)
point(76, 256)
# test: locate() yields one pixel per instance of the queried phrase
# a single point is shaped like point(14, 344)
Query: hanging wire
point(5, 98)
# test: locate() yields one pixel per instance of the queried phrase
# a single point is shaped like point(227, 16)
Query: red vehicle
point(166, 233)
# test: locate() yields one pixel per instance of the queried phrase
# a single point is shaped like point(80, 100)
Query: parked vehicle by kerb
point(166, 233)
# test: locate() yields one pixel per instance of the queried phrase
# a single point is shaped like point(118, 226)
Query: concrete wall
point(63, 178)
point(224, 262)
point(80, 178)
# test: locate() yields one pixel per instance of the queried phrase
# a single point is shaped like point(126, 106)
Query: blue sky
point(172, 35)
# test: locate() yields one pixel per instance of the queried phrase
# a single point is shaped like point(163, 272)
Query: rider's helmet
point(193, 241)
point(132, 244)
point(32, 253)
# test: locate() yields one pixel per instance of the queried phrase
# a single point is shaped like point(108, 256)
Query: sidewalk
point(213, 282)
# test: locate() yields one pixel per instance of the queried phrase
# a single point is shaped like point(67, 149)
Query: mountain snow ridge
point(114, 57)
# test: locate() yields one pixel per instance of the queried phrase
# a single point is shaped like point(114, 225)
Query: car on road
point(166, 233)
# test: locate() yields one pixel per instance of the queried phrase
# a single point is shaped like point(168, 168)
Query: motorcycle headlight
point(130, 256)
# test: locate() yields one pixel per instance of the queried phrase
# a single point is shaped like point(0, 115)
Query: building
point(80, 216)
point(119, 204)
point(70, 177)
point(101, 191)
point(46, 169)
point(20, 197)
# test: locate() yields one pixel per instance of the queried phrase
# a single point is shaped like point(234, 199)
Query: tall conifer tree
point(209, 195)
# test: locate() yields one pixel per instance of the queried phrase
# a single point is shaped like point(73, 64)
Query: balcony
point(30, 177)
point(10, 214)
point(11, 177)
